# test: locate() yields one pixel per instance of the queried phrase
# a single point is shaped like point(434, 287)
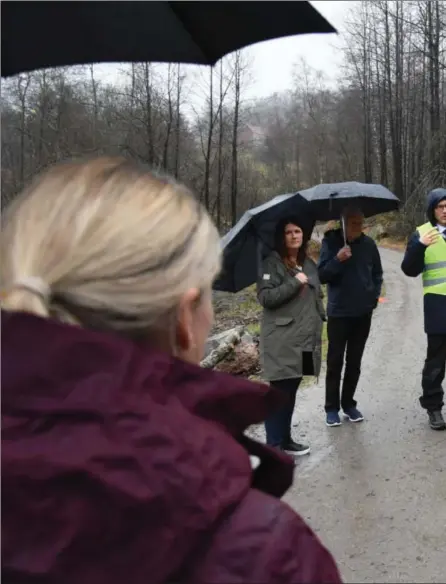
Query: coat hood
point(120, 450)
point(433, 198)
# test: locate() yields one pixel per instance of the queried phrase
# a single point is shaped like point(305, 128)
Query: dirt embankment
point(239, 310)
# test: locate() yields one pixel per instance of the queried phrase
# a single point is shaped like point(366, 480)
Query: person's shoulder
point(272, 259)
point(301, 552)
point(271, 266)
point(281, 543)
point(296, 550)
point(309, 261)
point(369, 241)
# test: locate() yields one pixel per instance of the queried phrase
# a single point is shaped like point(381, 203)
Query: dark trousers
point(278, 423)
point(433, 373)
point(346, 337)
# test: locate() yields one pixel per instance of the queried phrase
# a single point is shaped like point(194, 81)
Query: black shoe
point(296, 449)
point(436, 420)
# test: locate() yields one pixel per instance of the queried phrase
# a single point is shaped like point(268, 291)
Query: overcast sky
point(273, 60)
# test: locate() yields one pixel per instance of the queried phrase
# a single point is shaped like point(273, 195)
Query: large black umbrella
point(252, 238)
point(51, 34)
point(327, 201)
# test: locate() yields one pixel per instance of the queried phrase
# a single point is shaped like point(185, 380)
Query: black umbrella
point(327, 201)
point(51, 34)
point(252, 238)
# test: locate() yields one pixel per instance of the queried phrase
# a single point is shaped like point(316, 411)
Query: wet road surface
point(375, 492)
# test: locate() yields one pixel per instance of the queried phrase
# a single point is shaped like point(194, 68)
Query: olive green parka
point(292, 319)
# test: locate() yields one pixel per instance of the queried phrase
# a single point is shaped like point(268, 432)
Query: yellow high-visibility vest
point(434, 274)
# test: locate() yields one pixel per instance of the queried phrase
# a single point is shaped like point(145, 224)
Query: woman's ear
point(185, 333)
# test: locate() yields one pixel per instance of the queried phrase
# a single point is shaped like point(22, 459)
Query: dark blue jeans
point(278, 423)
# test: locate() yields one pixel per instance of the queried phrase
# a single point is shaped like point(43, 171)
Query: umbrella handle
point(344, 232)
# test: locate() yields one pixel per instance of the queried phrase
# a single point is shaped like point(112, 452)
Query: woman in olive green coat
point(291, 330)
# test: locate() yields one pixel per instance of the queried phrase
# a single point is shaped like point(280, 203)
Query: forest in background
point(383, 121)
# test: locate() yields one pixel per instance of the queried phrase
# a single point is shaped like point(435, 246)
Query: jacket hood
point(433, 198)
point(119, 450)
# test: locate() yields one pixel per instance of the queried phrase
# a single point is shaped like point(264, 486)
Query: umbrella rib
point(210, 60)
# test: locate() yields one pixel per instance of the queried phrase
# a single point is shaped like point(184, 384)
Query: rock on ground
point(244, 361)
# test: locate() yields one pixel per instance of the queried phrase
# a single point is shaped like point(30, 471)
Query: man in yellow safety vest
point(426, 254)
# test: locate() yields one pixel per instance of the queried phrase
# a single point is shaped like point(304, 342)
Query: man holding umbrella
point(350, 265)
point(426, 254)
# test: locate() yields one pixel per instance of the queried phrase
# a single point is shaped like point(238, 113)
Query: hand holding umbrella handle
point(344, 254)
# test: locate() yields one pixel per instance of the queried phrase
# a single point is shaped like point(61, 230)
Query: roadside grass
point(237, 309)
point(253, 328)
point(250, 309)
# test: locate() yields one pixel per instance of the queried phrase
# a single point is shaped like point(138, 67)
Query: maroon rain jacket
point(124, 465)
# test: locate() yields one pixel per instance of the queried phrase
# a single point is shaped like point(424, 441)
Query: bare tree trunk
point(235, 127)
point(394, 96)
point(23, 84)
point(42, 118)
point(169, 119)
point(433, 36)
point(366, 87)
point(149, 115)
point(95, 107)
point(178, 124)
point(207, 167)
point(421, 121)
point(60, 146)
point(382, 115)
point(297, 158)
point(220, 150)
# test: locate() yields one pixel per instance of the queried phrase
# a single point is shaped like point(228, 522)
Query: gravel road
point(376, 492)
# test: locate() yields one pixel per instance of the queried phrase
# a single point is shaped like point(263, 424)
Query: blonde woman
point(123, 460)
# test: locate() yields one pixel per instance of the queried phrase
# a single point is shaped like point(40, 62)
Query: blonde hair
point(115, 245)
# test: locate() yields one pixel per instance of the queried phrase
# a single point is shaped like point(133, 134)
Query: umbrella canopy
point(252, 238)
point(51, 34)
point(327, 201)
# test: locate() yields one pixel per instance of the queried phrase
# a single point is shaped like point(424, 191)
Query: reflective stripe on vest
point(434, 274)
point(436, 265)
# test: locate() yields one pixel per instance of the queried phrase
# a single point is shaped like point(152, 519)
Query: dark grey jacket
point(292, 319)
point(354, 286)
